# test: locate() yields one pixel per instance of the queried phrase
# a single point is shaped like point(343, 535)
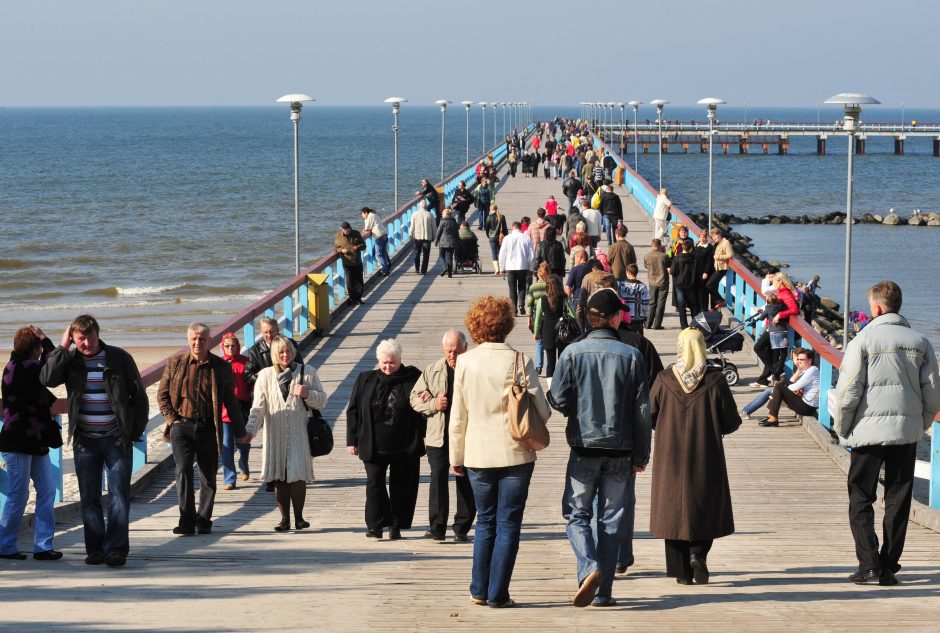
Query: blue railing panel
point(330, 287)
point(288, 306)
point(304, 300)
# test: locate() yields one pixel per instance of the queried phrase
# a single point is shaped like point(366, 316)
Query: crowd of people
point(604, 376)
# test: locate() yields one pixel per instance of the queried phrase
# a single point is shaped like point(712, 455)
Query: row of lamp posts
point(851, 102)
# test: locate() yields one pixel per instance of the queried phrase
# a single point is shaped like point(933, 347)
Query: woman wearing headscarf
point(283, 395)
point(692, 409)
point(27, 434)
point(231, 352)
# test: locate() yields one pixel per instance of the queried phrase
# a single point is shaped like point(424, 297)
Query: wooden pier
point(783, 570)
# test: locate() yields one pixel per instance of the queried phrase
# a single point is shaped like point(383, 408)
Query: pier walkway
point(783, 570)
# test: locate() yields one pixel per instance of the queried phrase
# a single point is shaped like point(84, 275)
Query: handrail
point(396, 226)
point(742, 294)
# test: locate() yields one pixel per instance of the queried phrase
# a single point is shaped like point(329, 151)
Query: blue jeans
point(20, 469)
point(625, 558)
point(539, 350)
point(381, 253)
point(500, 495)
point(757, 402)
point(114, 456)
point(228, 455)
point(606, 479)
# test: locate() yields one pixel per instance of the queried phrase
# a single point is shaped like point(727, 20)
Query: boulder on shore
point(892, 219)
point(879, 219)
point(916, 220)
point(826, 302)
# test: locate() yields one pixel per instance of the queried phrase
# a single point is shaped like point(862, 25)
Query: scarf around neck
point(690, 360)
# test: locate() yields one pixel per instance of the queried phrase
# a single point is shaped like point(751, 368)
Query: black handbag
point(319, 433)
point(566, 330)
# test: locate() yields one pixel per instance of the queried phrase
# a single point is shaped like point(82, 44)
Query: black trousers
point(678, 555)
point(866, 463)
point(551, 361)
point(447, 254)
point(392, 505)
point(517, 284)
point(439, 495)
point(773, 359)
point(658, 295)
point(711, 287)
point(782, 395)
point(354, 282)
point(195, 444)
point(422, 255)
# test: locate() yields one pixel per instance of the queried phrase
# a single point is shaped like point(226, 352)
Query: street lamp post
point(659, 103)
point(902, 116)
point(494, 104)
point(636, 133)
point(483, 105)
point(623, 127)
point(296, 102)
point(505, 105)
point(712, 104)
point(467, 105)
point(443, 103)
point(852, 106)
point(396, 106)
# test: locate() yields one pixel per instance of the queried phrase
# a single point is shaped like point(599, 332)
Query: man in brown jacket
point(657, 278)
point(349, 244)
point(621, 254)
point(193, 388)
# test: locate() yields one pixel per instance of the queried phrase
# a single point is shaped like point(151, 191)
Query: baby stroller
point(468, 257)
point(721, 340)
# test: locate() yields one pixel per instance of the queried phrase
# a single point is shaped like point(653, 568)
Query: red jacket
point(791, 309)
point(242, 390)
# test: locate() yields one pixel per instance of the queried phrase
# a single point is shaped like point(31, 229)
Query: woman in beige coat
point(279, 412)
point(481, 448)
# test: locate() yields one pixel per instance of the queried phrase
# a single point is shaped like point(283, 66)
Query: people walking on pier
point(447, 239)
point(692, 409)
point(621, 254)
point(800, 393)
point(888, 394)
point(515, 257)
point(771, 345)
point(722, 257)
point(431, 196)
point(636, 296)
point(284, 394)
point(601, 387)
point(594, 223)
point(388, 436)
point(423, 230)
point(551, 251)
point(433, 396)
point(682, 267)
point(481, 448)
point(657, 277)
point(372, 227)
point(612, 210)
point(661, 214)
point(231, 353)
point(570, 188)
point(485, 197)
point(27, 434)
point(704, 255)
point(496, 232)
point(349, 244)
point(548, 311)
point(108, 412)
point(194, 387)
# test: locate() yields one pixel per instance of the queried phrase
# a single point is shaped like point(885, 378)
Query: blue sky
point(209, 52)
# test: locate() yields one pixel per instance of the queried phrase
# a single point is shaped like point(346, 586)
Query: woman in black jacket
point(447, 239)
point(683, 279)
point(28, 432)
point(388, 436)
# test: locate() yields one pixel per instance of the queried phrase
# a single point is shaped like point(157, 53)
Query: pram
point(720, 339)
point(468, 257)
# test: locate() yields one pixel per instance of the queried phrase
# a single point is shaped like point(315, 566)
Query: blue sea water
point(151, 217)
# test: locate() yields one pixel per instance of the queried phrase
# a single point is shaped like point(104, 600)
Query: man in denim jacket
point(601, 386)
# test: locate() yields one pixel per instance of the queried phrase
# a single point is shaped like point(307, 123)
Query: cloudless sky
point(241, 52)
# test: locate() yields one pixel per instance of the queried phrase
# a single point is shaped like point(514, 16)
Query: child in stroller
point(468, 253)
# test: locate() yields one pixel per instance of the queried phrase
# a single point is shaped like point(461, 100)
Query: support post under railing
point(825, 386)
point(303, 297)
point(139, 454)
point(288, 304)
point(249, 333)
point(935, 466)
point(341, 290)
point(330, 286)
point(55, 458)
point(370, 255)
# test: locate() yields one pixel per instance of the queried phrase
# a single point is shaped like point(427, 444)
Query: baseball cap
point(605, 302)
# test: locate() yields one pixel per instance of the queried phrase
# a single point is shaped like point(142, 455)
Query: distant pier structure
point(766, 137)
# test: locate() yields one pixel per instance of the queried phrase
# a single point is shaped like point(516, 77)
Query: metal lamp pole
point(483, 105)
point(443, 103)
point(296, 102)
point(396, 106)
point(636, 134)
point(467, 105)
point(852, 109)
point(712, 104)
point(659, 103)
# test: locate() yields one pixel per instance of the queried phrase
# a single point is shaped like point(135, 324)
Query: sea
point(150, 218)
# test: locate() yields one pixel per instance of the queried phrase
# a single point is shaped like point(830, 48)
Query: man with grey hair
point(259, 356)
point(193, 388)
point(432, 396)
point(423, 228)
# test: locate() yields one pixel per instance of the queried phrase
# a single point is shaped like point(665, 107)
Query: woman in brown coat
point(692, 410)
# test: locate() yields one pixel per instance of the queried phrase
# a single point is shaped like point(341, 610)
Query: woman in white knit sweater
point(279, 412)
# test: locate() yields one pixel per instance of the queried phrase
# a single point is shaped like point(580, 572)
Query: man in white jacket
point(887, 396)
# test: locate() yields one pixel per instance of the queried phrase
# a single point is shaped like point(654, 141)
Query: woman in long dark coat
point(692, 409)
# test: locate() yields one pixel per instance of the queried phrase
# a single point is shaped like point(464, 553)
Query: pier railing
point(289, 303)
point(742, 294)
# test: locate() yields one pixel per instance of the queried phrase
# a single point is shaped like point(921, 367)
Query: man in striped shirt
point(108, 412)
